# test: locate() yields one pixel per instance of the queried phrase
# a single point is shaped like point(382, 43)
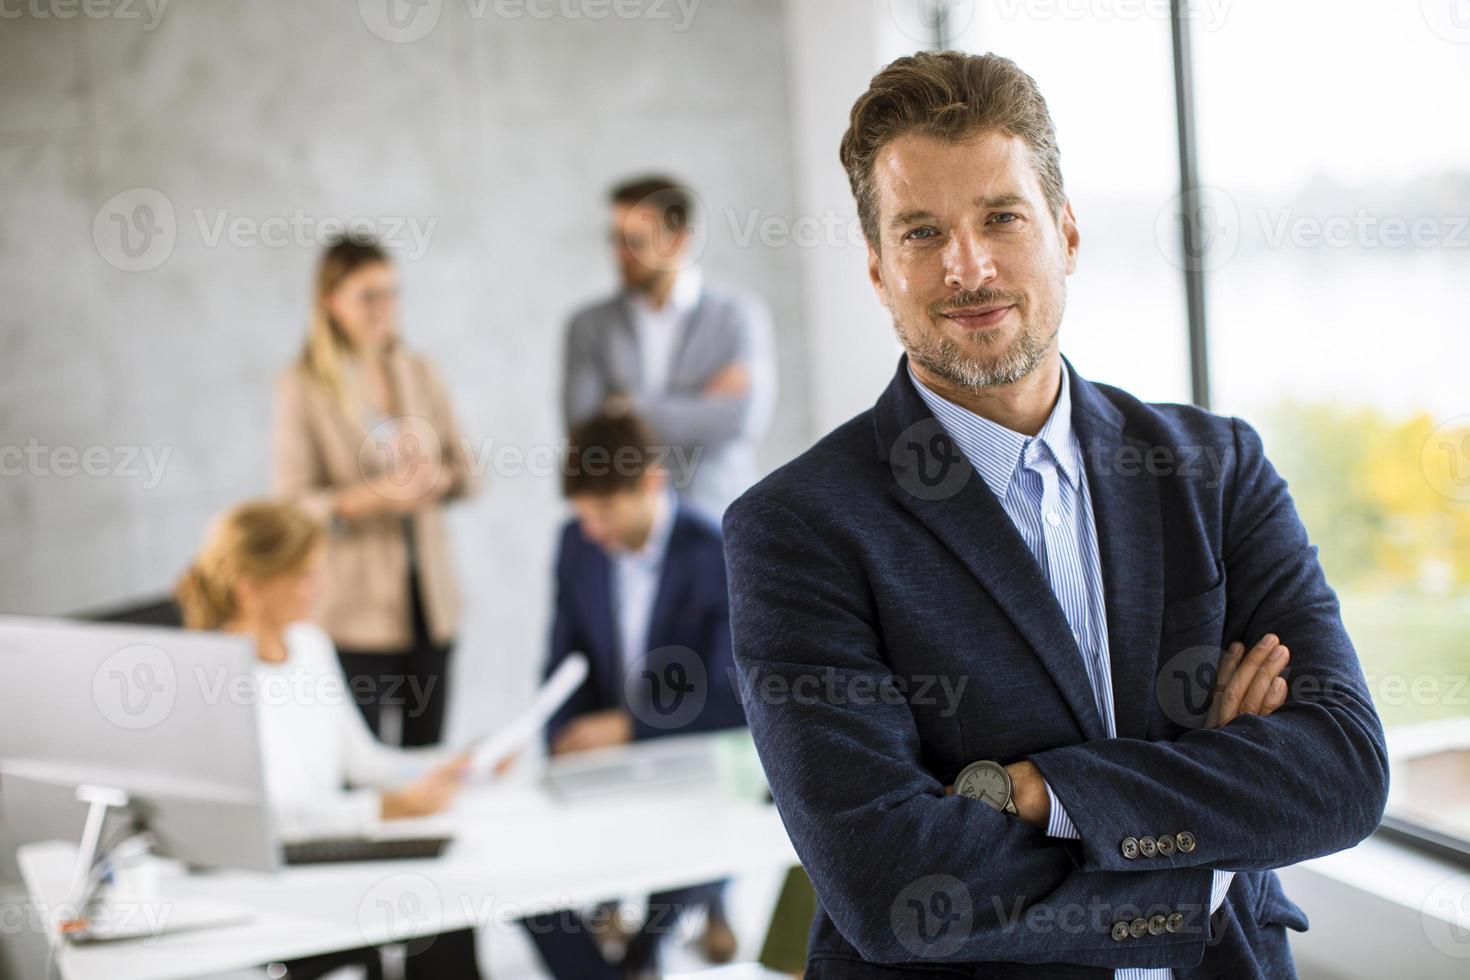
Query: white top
point(635, 580)
point(313, 741)
point(659, 330)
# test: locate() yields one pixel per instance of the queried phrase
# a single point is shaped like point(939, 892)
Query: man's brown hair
point(673, 202)
point(951, 96)
point(607, 454)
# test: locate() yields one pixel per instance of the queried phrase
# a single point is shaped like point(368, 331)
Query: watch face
point(985, 781)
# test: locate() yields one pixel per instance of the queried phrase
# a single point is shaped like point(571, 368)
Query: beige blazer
point(317, 449)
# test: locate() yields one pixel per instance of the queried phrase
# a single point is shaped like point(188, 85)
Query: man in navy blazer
point(641, 591)
point(1014, 645)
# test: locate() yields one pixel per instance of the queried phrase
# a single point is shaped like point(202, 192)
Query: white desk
point(517, 851)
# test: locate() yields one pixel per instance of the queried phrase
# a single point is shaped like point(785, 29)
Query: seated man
point(641, 592)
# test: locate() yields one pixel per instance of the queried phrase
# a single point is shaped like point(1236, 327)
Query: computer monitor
point(164, 717)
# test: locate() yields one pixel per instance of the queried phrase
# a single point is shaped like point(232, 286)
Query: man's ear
point(1070, 237)
point(875, 275)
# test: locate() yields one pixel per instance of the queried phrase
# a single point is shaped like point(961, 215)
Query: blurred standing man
point(695, 362)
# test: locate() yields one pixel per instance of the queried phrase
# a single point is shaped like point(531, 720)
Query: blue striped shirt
point(1042, 485)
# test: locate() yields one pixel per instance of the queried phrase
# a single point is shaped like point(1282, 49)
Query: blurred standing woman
point(366, 442)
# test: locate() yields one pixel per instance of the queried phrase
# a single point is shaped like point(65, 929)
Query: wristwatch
point(988, 782)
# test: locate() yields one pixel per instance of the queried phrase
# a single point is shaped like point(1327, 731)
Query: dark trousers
point(414, 681)
point(448, 956)
point(568, 947)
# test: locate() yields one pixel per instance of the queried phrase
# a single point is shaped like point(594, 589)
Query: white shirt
point(635, 579)
point(659, 330)
point(313, 740)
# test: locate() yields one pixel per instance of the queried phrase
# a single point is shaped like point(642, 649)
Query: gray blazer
point(711, 440)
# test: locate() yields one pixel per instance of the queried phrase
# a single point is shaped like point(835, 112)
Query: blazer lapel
point(673, 580)
point(603, 623)
point(934, 481)
point(1125, 507)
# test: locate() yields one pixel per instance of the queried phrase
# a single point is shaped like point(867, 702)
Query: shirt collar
point(995, 451)
point(688, 283)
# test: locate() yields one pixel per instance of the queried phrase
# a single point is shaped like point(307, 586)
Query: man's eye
point(925, 232)
point(1004, 218)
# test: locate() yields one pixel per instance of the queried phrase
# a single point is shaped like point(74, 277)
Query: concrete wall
point(481, 136)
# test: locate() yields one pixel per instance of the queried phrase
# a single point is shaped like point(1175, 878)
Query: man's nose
point(968, 262)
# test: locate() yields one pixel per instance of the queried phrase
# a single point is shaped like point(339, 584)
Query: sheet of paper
point(524, 729)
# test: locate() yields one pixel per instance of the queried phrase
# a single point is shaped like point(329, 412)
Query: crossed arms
point(870, 820)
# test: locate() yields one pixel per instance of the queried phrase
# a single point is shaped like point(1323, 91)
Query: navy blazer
point(687, 682)
point(880, 572)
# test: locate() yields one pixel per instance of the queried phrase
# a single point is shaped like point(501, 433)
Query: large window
point(1333, 247)
point(1337, 289)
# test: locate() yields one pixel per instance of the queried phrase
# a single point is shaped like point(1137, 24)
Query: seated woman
point(257, 576)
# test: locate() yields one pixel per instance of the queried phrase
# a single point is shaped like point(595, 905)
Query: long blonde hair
point(257, 540)
point(327, 347)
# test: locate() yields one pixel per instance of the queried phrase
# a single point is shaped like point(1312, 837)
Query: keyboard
point(337, 849)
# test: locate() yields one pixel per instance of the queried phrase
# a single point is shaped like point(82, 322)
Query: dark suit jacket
point(687, 683)
point(880, 564)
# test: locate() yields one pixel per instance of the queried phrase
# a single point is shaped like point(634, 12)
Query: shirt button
point(1053, 518)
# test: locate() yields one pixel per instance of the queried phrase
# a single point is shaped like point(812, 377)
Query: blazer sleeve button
point(1166, 844)
point(1174, 922)
point(1138, 928)
point(1156, 925)
point(1120, 930)
point(1130, 847)
point(1185, 840)
point(1147, 846)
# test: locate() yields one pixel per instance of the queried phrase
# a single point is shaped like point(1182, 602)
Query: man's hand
point(595, 730)
point(1249, 683)
point(1028, 793)
point(731, 381)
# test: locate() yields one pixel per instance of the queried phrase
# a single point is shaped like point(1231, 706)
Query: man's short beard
point(942, 358)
